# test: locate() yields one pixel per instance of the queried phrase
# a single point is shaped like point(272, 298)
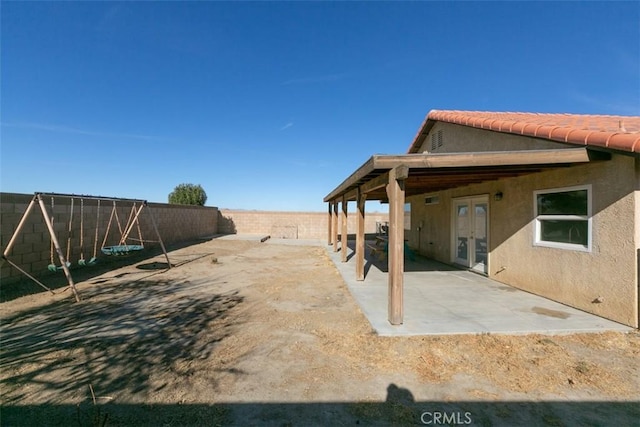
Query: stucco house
point(548, 203)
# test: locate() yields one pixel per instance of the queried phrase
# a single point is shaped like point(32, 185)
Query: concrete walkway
point(439, 299)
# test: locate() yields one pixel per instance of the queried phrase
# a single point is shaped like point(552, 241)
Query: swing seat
point(121, 249)
point(84, 263)
point(53, 267)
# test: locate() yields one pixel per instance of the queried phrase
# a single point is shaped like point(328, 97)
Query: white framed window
point(563, 218)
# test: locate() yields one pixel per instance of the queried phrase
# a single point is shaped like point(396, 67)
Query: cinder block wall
point(290, 225)
point(32, 249)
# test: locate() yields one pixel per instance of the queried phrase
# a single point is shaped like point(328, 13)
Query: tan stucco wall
point(608, 272)
point(458, 138)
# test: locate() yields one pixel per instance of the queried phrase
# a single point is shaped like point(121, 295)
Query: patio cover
point(394, 177)
point(436, 172)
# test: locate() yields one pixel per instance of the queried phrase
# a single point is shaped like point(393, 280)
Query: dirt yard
point(250, 333)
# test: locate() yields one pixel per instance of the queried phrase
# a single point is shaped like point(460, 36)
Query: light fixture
point(498, 196)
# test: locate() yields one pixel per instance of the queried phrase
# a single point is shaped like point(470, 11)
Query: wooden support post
point(56, 244)
point(360, 201)
point(334, 226)
point(344, 237)
point(329, 225)
point(396, 194)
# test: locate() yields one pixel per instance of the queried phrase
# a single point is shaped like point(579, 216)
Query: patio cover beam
point(369, 174)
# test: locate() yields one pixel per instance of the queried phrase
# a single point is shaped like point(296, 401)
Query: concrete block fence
point(290, 225)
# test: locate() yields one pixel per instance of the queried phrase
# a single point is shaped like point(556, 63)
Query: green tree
point(188, 194)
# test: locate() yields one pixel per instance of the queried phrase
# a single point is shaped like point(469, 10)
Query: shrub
point(188, 194)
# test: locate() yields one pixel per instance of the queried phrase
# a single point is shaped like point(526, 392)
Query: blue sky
point(271, 105)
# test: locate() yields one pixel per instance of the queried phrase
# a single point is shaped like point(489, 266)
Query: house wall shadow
point(390, 412)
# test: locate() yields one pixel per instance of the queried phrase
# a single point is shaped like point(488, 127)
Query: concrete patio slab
point(440, 299)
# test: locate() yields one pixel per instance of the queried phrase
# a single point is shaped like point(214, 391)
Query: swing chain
point(52, 223)
point(95, 240)
point(69, 231)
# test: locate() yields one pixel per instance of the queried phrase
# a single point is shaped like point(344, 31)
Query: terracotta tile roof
point(613, 132)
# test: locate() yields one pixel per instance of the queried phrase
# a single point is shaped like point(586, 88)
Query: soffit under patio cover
point(436, 172)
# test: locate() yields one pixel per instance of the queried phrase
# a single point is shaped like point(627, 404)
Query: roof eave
point(618, 141)
point(423, 131)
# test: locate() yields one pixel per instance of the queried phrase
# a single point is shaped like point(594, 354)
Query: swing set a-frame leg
point(56, 244)
point(7, 250)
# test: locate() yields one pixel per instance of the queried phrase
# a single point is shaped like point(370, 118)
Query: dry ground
point(249, 333)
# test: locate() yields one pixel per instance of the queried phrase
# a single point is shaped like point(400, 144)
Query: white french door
point(470, 232)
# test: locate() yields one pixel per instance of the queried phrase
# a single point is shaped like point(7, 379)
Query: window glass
point(565, 231)
point(563, 203)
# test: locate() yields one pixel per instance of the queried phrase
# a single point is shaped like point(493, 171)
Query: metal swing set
point(121, 248)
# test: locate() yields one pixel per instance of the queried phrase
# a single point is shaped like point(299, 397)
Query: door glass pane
point(480, 233)
point(462, 232)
